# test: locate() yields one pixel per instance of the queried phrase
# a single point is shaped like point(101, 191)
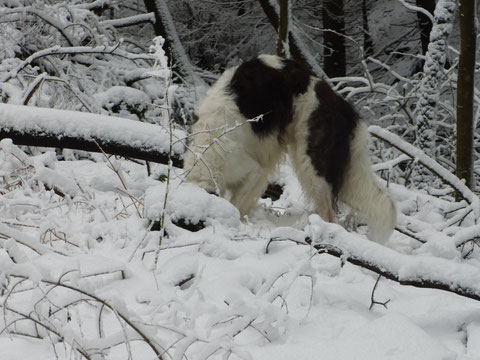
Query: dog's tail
point(363, 192)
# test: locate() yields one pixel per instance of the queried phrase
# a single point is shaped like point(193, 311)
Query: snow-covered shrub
point(70, 56)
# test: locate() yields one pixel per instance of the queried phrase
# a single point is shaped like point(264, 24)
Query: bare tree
point(165, 27)
point(367, 38)
point(297, 48)
point(334, 59)
point(466, 68)
point(425, 25)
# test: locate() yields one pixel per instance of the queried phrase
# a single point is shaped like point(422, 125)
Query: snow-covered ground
point(80, 269)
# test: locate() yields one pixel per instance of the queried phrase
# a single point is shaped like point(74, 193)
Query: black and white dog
point(269, 106)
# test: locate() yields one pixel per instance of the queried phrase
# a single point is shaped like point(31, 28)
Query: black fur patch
point(260, 89)
point(331, 127)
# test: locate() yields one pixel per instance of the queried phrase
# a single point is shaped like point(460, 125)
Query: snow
point(118, 94)
point(382, 338)
point(215, 291)
point(473, 339)
point(431, 164)
point(189, 202)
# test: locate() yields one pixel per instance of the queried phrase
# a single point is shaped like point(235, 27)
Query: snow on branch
point(74, 50)
point(140, 331)
point(129, 21)
point(59, 25)
point(97, 4)
point(417, 8)
point(44, 127)
point(430, 164)
point(418, 271)
point(426, 108)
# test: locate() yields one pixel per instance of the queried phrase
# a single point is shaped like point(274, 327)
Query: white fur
point(236, 163)
point(363, 192)
point(273, 61)
point(226, 157)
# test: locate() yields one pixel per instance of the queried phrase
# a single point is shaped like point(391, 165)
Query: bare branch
point(430, 164)
point(74, 50)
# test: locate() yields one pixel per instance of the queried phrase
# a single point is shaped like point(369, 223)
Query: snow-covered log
point(44, 127)
point(419, 271)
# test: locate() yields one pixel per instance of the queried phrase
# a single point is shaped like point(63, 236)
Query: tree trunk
point(466, 68)
point(433, 75)
point(367, 39)
point(297, 48)
point(333, 16)
point(425, 26)
point(165, 27)
point(283, 28)
point(424, 22)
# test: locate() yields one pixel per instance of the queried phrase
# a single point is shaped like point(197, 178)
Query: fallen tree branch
point(419, 271)
point(44, 127)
